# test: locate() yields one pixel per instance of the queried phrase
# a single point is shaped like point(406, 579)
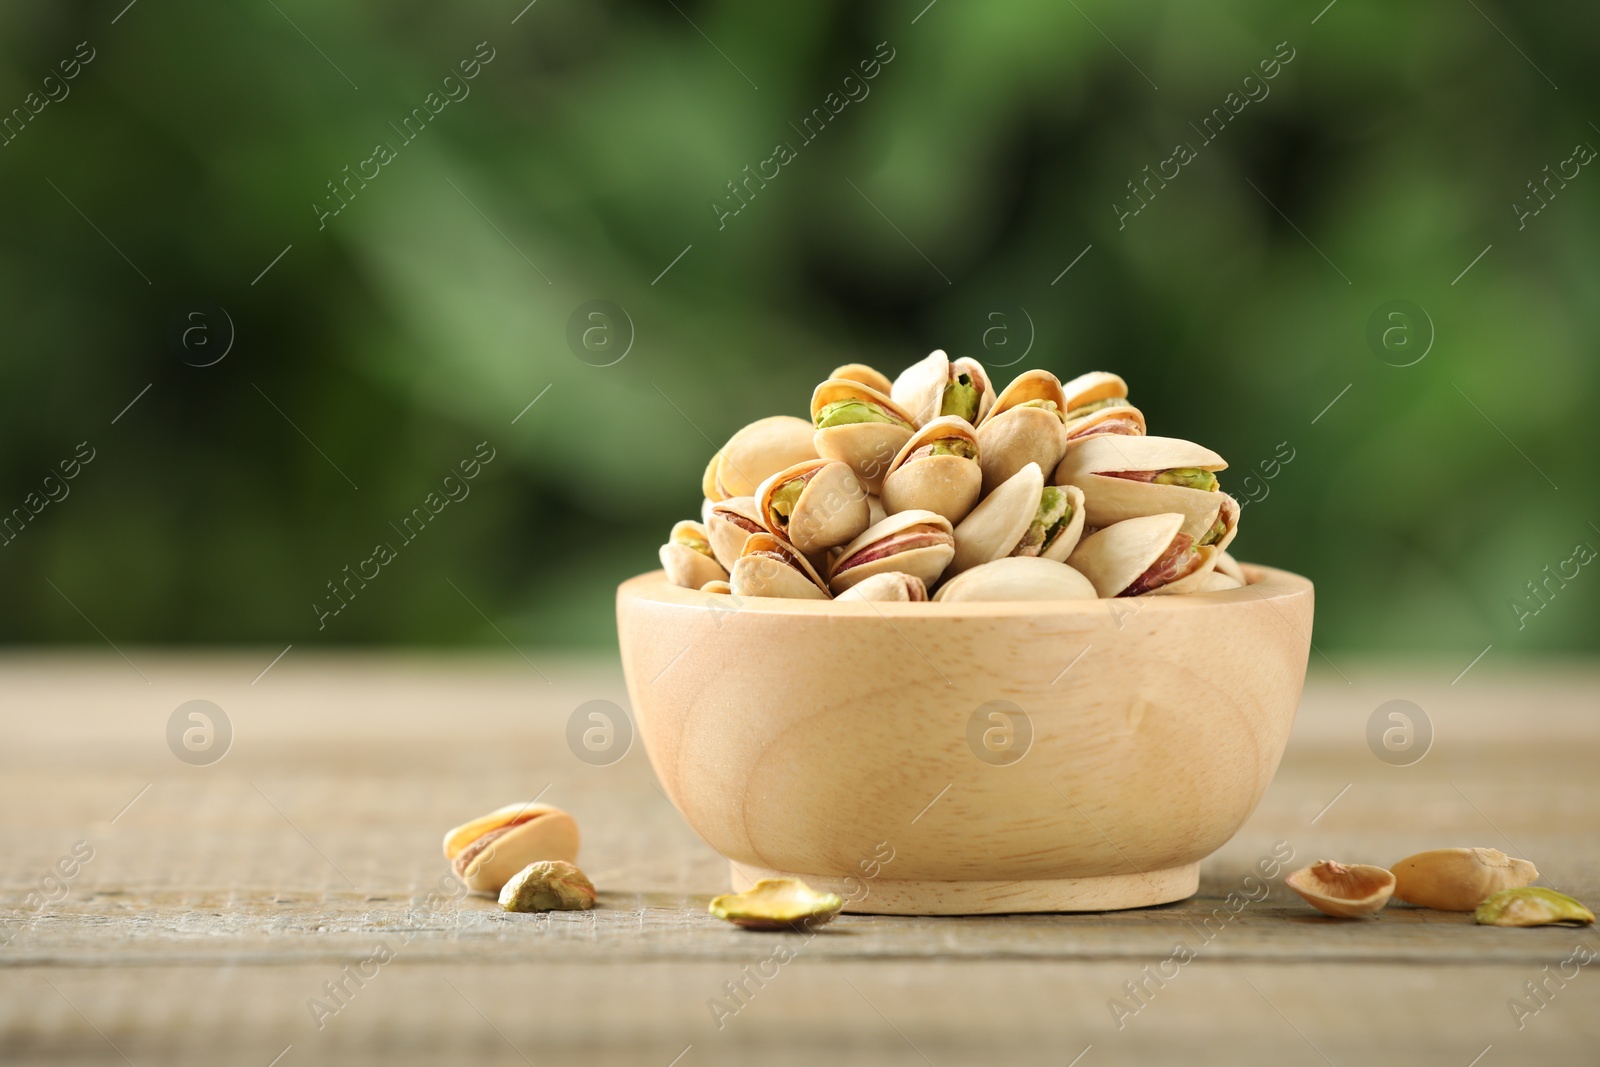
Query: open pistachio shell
point(814, 505)
point(728, 523)
point(1344, 890)
point(1004, 523)
point(1017, 431)
point(1017, 578)
point(777, 904)
point(1458, 879)
point(887, 585)
point(947, 485)
point(1092, 389)
point(870, 377)
point(1227, 565)
point(770, 566)
point(922, 387)
point(1092, 463)
point(869, 446)
point(915, 542)
point(687, 557)
point(755, 453)
point(1118, 556)
point(1125, 420)
point(1224, 524)
point(487, 851)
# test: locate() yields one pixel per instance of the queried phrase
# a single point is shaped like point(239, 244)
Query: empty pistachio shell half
point(777, 904)
point(1531, 905)
point(860, 426)
point(1024, 426)
point(913, 542)
point(814, 505)
point(687, 557)
point(1149, 554)
point(889, 585)
point(938, 386)
point(755, 453)
point(1017, 578)
point(870, 377)
point(1345, 890)
point(549, 885)
point(487, 851)
point(1458, 879)
point(770, 566)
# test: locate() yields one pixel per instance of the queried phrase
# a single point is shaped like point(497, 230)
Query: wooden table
point(218, 902)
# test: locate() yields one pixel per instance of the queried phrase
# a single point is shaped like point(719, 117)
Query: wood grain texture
point(812, 738)
point(221, 902)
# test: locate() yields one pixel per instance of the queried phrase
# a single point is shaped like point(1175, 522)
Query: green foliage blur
point(939, 207)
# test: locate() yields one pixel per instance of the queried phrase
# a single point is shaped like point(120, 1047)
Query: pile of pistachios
point(935, 486)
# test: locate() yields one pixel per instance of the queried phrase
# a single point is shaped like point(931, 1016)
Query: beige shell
point(717, 587)
point(870, 377)
point(887, 585)
point(1127, 421)
point(771, 567)
point(728, 524)
point(1344, 890)
point(831, 510)
point(1217, 582)
point(1091, 388)
point(755, 453)
point(487, 851)
point(945, 485)
point(926, 562)
point(996, 526)
point(1017, 578)
point(1112, 500)
point(920, 387)
point(868, 447)
point(875, 509)
point(1114, 558)
point(1010, 437)
point(1227, 565)
point(687, 566)
point(1458, 879)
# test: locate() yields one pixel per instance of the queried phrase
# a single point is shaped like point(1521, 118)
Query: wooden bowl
point(947, 759)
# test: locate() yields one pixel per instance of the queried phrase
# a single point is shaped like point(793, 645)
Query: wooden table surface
point(210, 907)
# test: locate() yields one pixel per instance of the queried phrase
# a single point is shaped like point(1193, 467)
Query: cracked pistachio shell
point(686, 565)
point(1115, 557)
point(945, 485)
point(921, 386)
point(996, 526)
point(777, 904)
point(1531, 905)
point(1458, 879)
point(831, 510)
point(887, 586)
point(1017, 578)
point(1093, 387)
point(1125, 420)
point(487, 851)
point(728, 523)
point(1012, 435)
point(755, 453)
point(1344, 890)
point(770, 566)
point(918, 543)
point(1111, 500)
point(868, 447)
point(549, 885)
point(870, 377)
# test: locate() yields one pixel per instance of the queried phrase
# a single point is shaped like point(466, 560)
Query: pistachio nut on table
point(936, 486)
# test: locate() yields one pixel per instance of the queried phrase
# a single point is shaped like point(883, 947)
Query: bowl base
point(891, 896)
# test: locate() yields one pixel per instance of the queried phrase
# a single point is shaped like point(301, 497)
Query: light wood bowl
point(814, 739)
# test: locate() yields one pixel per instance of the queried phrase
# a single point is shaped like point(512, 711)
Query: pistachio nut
point(487, 851)
point(549, 885)
point(860, 426)
point(1093, 391)
point(770, 566)
point(870, 377)
point(915, 542)
point(777, 904)
point(939, 386)
point(814, 505)
point(1122, 419)
point(728, 523)
point(1022, 517)
point(687, 557)
point(887, 585)
point(1016, 578)
point(936, 470)
point(1458, 879)
point(1532, 905)
point(755, 453)
point(1345, 890)
point(1149, 554)
point(1125, 477)
point(1024, 426)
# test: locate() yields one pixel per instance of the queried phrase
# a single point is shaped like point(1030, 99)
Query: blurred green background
point(938, 209)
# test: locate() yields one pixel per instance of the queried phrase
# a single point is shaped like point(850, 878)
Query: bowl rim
point(1266, 584)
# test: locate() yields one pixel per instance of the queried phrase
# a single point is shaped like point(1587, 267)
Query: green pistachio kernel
point(1531, 905)
point(960, 398)
point(954, 446)
point(1189, 478)
point(851, 411)
point(1095, 405)
point(784, 498)
point(1045, 405)
point(1214, 534)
